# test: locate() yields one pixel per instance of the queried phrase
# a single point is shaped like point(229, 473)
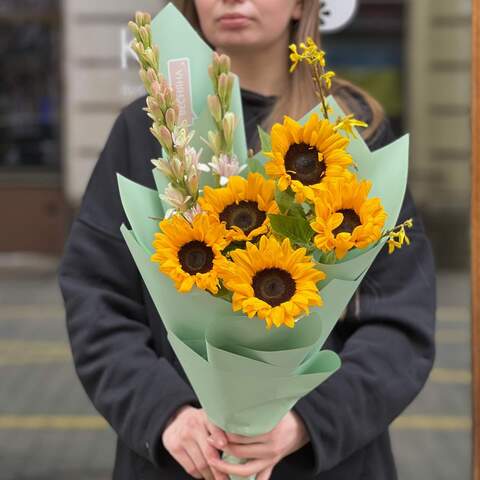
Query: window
point(29, 85)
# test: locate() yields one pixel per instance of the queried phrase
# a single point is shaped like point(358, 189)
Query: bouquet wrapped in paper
point(249, 258)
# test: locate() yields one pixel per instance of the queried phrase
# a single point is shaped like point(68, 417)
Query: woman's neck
point(264, 70)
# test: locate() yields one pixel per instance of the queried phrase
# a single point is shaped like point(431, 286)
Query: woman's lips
point(233, 21)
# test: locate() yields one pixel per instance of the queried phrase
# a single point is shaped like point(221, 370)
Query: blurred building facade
point(413, 56)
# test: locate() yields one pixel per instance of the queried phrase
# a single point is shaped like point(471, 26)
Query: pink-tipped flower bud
point(139, 18)
point(192, 213)
point(139, 50)
point(177, 167)
point(170, 119)
point(144, 36)
point(230, 82)
point(213, 77)
point(169, 96)
point(159, 96)
point(216, 63)
point(163, 165)
point(153, 105)
point(229, 124)
point(223, 87)
point(147, 18)
point(157, 91)
point(193, 182)
point(161, 133)
point(134, 29)
point(165, 137)
point(215, 107)
point(151, 58)
point(214, 142)
point(152, 76)
point(177, 199)
point(226, 166)
point(224, 63)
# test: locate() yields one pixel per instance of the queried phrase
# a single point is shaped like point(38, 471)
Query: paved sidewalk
point(49, 430)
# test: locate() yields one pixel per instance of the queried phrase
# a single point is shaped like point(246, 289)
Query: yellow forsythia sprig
point(322, 78)
point(397, 237)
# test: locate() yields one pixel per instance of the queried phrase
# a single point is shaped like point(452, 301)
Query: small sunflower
point(243, 205)
point(346, 218)
point(302, 156)
point(190, 253)
point(273, 281)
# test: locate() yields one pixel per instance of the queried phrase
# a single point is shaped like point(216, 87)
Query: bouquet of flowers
point(250, 258)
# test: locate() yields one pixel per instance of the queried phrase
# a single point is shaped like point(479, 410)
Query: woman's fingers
point(201, 464)
point(252, 450)
point(265, 475)
point(183, 458)
point(217, 435)
point(186, 438)
point(211, 452)
point(233, 438)
point(252, 467)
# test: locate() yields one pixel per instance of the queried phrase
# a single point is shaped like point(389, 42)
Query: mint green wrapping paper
point(245, 376)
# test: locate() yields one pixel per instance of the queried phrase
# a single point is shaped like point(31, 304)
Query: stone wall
point(100, 77)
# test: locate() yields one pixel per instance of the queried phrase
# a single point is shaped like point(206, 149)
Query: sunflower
point(190, 254)
point(302, 156)
point(346, 218)
point(243, 205)
point(273, 281)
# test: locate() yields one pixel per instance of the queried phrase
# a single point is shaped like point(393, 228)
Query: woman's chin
point(235, 41)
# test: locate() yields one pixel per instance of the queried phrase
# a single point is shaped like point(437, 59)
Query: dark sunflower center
point(196, 257)
point(274, 286)
point(244, 215)
point(301, 162)
point(350, 221)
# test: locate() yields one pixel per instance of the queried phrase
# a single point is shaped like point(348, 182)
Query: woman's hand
point(263, 451)
point(185, 438)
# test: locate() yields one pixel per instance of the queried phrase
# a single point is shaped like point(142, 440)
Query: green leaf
point(224, 294)
point(265, 139)
point(233, 246)
point(286, 203)
point(297, 229)
point(284, 199)
point(328, 258)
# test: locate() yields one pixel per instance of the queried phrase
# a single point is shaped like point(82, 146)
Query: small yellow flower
point(190, 253)
point(315, 58)
point(346, 218)
point(396, 239)
point(303, 156)
point(347, 123)
point(295, 57)
point(243, 205)
point(327, 78)
point(273, 281)
point(310, 53)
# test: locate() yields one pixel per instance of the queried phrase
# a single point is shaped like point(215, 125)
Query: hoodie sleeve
point(387, 355)
point(131, 387)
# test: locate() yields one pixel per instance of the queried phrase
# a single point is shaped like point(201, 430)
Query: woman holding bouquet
point(122, 356)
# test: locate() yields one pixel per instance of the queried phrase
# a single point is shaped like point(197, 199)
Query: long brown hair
point(299, 96)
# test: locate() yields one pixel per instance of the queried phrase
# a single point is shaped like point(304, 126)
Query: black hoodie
point(131, 375)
